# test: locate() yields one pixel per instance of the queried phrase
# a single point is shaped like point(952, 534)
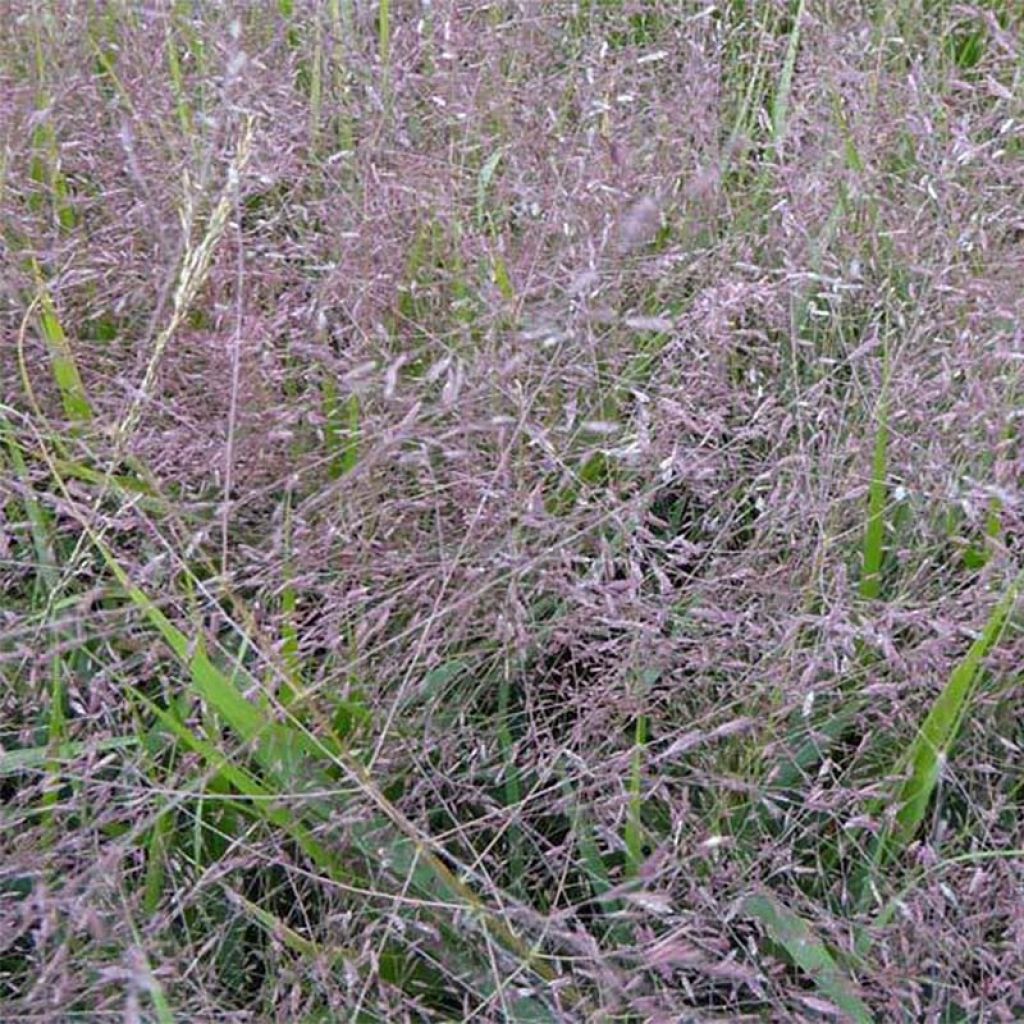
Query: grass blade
point(62, 359)
point(27, 758)
point(634, 833)
point(257, 800)
point(780, 102)
point(938, 732)
point(874, 531)
point(808, 952)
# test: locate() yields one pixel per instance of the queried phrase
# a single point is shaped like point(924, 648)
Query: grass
point(510, 513)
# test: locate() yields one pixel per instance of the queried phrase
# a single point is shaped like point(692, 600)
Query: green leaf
point(780, 103)
point(14, 761)
point(874, 531)
point(483, 183)
point(808, 952)
point(257, 800)
point(62, 358)
point(937, 734)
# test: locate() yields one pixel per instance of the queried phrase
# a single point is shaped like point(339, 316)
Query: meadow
point(511, 511)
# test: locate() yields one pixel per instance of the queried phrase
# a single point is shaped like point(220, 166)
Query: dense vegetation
point(511, 511)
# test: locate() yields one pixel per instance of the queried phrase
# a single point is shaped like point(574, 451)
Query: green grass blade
point(384, 39)
point(62, 359)
point(157, 847)
point(512, 782)
point(874, 531)
point(341, 430)
point(809, 953)
point(116, 482)
point(45, 167)
point(290, 642)
point(938, 732)
point(634, 832)
point(259, 800)
point(181, 105)
point(483, 184)
point(57, 733)
point(502, 278)
point(284, 750)
point(37, 516)
point(780, 102)
point(29, 758)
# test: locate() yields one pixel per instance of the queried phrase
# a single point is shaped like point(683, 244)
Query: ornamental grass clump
point(510, 512)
